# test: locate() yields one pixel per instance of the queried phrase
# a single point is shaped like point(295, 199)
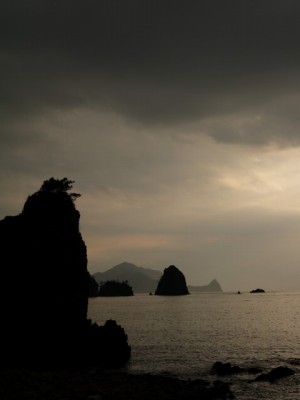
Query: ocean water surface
point(184, 335)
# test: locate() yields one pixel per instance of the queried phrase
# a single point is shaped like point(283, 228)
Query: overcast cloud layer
point(179, 122)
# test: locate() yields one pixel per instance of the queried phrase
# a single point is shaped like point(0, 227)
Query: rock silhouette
point(44, 282)
point(258, 290)
point(172, 283)
point(275, 374)
point(222, 369)
point(115, 288)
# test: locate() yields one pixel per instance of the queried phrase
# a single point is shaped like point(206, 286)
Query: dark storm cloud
point(155, 62)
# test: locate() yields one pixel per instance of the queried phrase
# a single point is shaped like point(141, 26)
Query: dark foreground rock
point(104, 385)
point(45, 284)
point(106, 345)
point(93, 287)
point(172, 283)
point(275, 374)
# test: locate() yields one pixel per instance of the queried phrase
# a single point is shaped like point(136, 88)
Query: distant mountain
point(213, 286)
point(142, 280)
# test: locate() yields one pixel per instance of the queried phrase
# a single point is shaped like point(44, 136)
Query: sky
point(178, 121)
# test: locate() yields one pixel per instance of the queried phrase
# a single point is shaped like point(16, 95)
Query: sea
point(182, 336)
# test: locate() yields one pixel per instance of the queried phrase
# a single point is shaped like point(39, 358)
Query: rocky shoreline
point(97, 384)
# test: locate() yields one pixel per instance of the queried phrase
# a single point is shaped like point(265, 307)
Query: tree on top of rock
point(59, 185)
point(53, 203)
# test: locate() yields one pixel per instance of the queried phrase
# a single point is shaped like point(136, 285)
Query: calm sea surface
point(184, 335)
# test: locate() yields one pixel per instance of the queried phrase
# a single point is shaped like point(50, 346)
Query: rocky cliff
point(93, 286)
point(172, 283)
point(44, 282)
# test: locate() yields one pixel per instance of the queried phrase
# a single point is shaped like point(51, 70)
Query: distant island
point(212, 287)
point(257, 291)
point(145, 280)
point(142, 280)
point(115, 288)
point(172, 283)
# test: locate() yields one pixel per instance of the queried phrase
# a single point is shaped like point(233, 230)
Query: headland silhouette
point(45, 286)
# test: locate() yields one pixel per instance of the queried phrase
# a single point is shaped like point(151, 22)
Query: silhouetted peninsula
point(213, 287)
point(115, 288)
point(44, 287)
point(172, 283)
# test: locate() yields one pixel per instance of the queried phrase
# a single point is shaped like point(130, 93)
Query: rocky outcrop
point(44, 274)
point(115, 288)
point(212, 287)
point(275, 374)
point(222, 369)
point(107, 345)
point(172, 283)
point(44, 281)
point(258, 290)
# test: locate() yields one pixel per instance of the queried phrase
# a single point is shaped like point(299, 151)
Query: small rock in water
point(275, 374)
point(220, 368)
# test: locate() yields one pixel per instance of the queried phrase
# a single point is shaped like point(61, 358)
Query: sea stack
point(44, 287)
point(172, 283)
